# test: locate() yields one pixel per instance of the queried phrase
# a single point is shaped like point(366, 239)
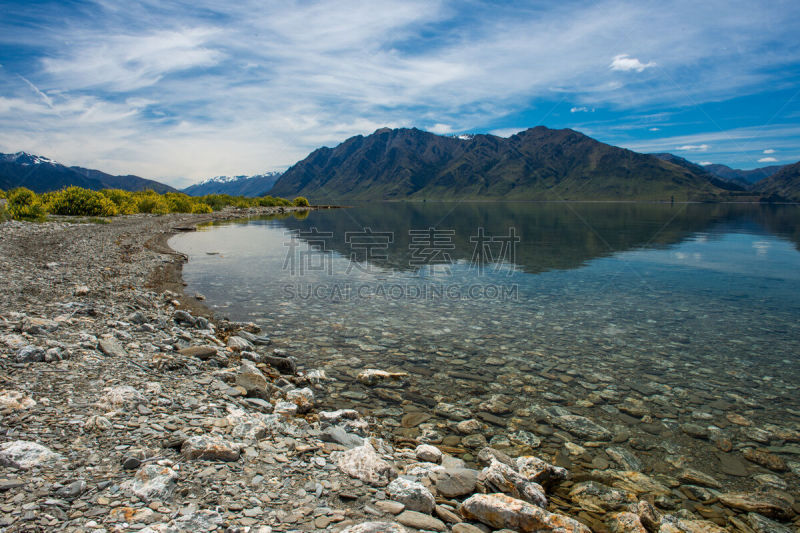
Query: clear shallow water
point(643, 318)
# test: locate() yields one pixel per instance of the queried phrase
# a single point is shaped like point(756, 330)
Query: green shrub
point(124, 200)
point(179, 202)
point(271, 201)
point(201, 208)
point(2, 194)
point(151, 202)
point(76, 201)
point(301, 201)
point(23, 204)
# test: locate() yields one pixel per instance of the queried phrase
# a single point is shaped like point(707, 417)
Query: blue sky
point(181, 91)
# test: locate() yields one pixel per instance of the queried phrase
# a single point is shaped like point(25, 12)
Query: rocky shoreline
point(126, 406)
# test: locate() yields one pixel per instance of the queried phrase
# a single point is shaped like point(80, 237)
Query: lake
point(670, 330)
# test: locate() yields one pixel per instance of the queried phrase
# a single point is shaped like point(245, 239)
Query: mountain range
point(410, 164)
point(41, 174)
point(535, 164)
point(257, 185)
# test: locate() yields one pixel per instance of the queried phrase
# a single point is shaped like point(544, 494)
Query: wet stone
point(582, 427)
point(765, 459)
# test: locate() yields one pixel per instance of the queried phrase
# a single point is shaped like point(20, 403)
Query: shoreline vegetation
point(23, 204)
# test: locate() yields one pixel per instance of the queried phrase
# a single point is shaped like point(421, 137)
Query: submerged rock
point(504, 512)
point(375, 527)
point(582, 427)
point(499, 477)
point(625, 459)
point(372, 376)
point(542, 472)
point(765, 459)
point(758, 503)
point(599, 498)
point(626, 523)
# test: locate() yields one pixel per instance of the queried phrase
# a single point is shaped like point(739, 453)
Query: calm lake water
point(674, 327)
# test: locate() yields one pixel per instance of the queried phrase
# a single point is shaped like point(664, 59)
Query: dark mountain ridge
point(535, 164)
point(41, 174)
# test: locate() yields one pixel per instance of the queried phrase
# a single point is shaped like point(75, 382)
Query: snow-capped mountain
point(24, 158)
point(256, 185)
point(42, 174)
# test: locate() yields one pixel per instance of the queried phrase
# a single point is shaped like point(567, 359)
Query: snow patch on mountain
point(233, 179)
point(24, 158)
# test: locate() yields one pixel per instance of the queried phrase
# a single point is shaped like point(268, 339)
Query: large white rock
point(210, 447)
point(152, 482)
point(504, 512)
point(251, 379)
point(25, 454)
point(428, 453)
point(302, 398)
point(411, 494)
point(364, 463)
point(121, 397)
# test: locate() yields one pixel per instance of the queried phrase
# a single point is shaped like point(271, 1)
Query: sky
point(184, 90)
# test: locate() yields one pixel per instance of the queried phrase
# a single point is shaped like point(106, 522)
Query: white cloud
point(769, 151)
point(507, 132)
point(693, 147)
point(582, 109)
point(624, 63)
point(767, 160)
point(705, 163)
point(441, 129)
point(654, 129)
point(124, 62)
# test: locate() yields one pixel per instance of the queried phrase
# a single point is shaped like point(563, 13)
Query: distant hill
point(257, 185)
point(536, 164)
point(721, 182)
point(784, 184)
point(41, 174)
point(747, 176)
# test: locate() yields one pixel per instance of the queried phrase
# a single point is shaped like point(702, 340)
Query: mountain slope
point(257, 185)
point(783, 184)
point(536, 164)
point(41, 174)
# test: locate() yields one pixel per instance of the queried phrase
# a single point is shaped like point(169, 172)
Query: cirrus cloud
point(694, 147)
